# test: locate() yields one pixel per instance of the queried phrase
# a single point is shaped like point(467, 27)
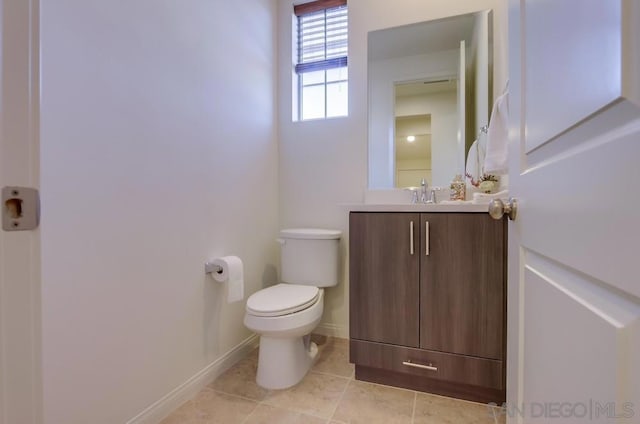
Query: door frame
point(20, 305)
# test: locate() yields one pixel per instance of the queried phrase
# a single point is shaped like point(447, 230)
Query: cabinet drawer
point(445, 366)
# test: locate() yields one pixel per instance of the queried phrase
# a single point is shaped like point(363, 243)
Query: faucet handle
point(432, 194)
point(414, 194)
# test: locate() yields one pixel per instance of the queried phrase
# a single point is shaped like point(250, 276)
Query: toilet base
point(283, 362)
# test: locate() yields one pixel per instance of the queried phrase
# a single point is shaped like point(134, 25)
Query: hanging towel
point(495, 161)
point(475, 159)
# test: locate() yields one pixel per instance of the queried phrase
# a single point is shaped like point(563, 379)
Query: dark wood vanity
point(427, 308)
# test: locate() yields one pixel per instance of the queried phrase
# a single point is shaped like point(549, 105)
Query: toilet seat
point(281, 299)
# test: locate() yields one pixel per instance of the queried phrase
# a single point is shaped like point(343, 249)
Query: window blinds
point(322, 39)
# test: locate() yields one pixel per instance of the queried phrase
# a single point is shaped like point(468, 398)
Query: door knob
point(497, 208)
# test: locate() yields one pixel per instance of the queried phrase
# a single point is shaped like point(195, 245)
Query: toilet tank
point(310, 256)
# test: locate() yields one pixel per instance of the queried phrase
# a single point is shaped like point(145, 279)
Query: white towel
point(486, 198)
point(495, 161)
point(455, 202)
point(475, 159)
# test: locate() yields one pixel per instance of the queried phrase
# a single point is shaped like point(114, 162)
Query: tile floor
point(328, 394)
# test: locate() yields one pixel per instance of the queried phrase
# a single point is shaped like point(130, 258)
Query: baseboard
point(332, 330)
point(187, 390)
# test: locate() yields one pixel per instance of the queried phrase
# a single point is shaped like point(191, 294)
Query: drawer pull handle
point(424, 367)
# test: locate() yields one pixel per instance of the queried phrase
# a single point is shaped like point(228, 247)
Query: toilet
point(284, 315)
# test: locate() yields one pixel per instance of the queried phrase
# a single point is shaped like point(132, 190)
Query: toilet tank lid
point(310, 233)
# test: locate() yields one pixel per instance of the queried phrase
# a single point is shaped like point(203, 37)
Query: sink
point(399, 196)
point(417, 207)
point(399, 200)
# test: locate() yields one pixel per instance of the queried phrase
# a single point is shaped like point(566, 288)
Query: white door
point(574, 158)
point(20, 377)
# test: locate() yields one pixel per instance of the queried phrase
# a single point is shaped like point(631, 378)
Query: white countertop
point(417, 207)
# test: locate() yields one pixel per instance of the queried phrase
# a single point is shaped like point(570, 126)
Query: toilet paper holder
point(210, 267)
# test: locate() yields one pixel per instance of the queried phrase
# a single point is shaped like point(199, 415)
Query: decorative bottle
point(458, 188)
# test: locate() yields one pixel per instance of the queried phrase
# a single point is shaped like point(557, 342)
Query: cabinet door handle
point(411, 237)
point(426, 238)
point(424, 367)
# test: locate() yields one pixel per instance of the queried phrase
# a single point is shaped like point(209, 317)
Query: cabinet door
point(462, 284)
point(383, 277)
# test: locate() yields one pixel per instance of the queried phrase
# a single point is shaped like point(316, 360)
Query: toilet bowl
point(285, 355)
point(285, 314)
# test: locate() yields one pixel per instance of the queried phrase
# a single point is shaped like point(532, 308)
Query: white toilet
point(285, 314)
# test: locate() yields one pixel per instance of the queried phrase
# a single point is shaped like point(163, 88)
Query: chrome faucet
point(424, 198)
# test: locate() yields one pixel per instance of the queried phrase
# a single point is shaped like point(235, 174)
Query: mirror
point(429, 96)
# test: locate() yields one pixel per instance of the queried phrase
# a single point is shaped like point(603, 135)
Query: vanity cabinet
point(428, 301)
point(385, 299)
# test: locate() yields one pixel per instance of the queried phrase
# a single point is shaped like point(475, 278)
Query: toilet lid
point(281, 299)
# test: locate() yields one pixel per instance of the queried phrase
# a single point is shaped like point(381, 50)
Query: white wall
point(158, 152)
point(323, 164)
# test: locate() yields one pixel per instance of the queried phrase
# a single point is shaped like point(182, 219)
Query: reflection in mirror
point(430, 80)
point(413, 150)
point(427, 111)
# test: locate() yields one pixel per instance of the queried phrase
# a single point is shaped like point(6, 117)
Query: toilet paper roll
point(231, 273)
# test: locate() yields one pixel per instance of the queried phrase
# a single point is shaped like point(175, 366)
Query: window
point(321, 67)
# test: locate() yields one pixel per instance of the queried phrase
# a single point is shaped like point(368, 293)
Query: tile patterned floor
point(329, 394)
